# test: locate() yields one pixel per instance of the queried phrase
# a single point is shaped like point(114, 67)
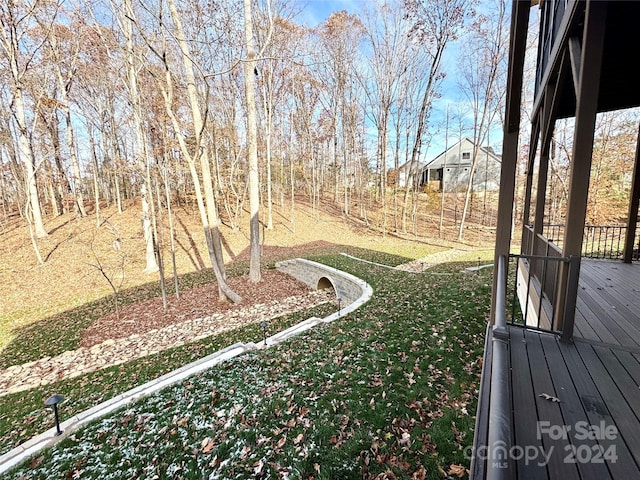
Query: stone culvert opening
point(324, 283)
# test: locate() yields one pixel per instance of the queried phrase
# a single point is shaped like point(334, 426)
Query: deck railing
point(533, 283)
point(499, 431)
point(498, 464)
point(599, 241)
point(537, 248)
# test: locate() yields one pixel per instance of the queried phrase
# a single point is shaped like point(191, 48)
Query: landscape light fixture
point(339, 305)
point(53, 401)
point(264, 326)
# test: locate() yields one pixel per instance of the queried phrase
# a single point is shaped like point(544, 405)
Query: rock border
point(83, 360)
point(49, 438)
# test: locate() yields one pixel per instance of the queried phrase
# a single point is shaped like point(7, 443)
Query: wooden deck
point(608, 307)
point(593, 432)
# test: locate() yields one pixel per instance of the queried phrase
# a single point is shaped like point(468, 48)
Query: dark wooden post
point(517, 48)
point(588, 65)
point(572, 297)
point(632, 218)
point(526, 212)
point(541, 194)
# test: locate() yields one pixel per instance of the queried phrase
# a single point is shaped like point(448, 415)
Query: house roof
point(418, 166)
point(464, 144)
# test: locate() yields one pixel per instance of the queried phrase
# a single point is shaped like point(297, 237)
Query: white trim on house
point(454, 164)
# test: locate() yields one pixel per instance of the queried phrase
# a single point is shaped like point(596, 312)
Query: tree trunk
point(30, 174)
point(268, 113)
point(115, 151)
point(171, 233)
point(152, 265)
point(96, 191)
point(55, 177)
point(76, 184)
point(382, 148)
point(208, 212)
point(252, 148)
point(141, 156)
point(157, 244)
point(9, 37)
point(422, 123)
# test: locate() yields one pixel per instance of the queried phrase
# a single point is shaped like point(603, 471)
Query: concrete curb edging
point(49, 438)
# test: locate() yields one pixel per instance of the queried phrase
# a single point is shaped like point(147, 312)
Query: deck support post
point(586, 110)
point(528, 189)
point(541, 194)
point(632, 217)
point(548, 115)
point(519, 24)
point(571, 300)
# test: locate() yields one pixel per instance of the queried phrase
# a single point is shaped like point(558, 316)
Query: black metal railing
point(533, 282)
point(554, 232)
point(598, 241)
point(604, 241)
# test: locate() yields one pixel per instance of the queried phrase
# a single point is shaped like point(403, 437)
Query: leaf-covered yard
point(387, 392)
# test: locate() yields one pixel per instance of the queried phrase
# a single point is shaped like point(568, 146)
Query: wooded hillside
point(232, 106)
point(229, 109)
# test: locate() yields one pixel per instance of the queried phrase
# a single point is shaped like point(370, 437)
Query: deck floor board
point(608, 305)
point(630, 363)
point(525, 424)
point(547, 411)
point(615, 309)
point(593, 321)
point(596, 378)
point(619, 294)
point(603, 318)
point(573, 411)
point(583, 329)
point(623, 417)
point(596, 411)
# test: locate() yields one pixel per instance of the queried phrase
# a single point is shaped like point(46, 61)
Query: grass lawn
point(387, 392)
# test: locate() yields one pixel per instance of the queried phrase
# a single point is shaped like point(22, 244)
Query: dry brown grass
point(68, 277)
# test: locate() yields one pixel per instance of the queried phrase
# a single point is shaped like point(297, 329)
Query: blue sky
point(315, 11)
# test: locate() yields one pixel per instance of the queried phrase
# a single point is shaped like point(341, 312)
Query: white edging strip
point(399, 268)
point(370, 262)
point(49, 438)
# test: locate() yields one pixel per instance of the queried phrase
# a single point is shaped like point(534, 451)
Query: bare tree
point(252, 147)
point(274, 77)
point(482, 61)
point(111, 269)
point(16, 19)
point(435, 25)
point(339, 37)
point(195, 152)
point(64, 47)
point(389, 58)
point(127, 17)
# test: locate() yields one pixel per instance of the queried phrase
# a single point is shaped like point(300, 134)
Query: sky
point(313, 12)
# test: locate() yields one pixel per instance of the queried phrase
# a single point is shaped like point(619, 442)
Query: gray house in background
point(452, 167)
